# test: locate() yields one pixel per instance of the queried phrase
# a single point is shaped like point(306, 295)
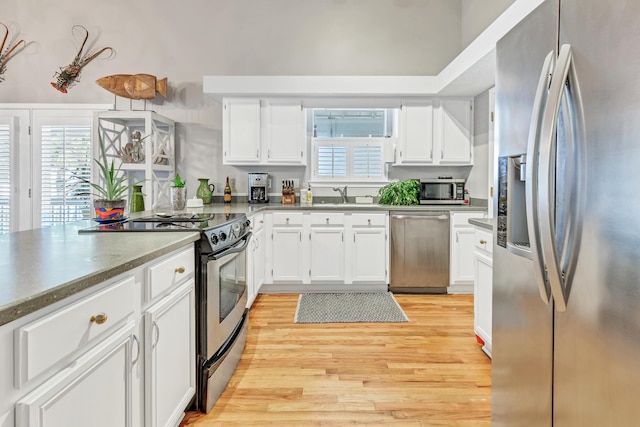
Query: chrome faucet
point(343, 193)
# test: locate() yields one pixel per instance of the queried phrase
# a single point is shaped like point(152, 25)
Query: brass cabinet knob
point(369, 221)
point(99, 319)
point(483, 242)
point(327, 220)
point(287, 219)
point(180, 270)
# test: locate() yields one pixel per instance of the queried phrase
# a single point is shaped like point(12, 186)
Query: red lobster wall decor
point(68, 76)
point(5, 55)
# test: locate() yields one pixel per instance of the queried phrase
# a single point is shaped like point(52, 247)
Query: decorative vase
point(109, 210)
point(178, 198)
point(137, 199)
point(205, 190)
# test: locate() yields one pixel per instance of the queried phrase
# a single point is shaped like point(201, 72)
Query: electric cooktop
point(166, 222)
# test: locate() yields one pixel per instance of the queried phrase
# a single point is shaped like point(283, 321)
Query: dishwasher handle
point(424, 216)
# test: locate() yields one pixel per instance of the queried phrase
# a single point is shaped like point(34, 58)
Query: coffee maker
point(258, 191)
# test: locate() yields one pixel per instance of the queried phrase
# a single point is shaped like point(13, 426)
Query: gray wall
point(186, 40)
point(477, 15)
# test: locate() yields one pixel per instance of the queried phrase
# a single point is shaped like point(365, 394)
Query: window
point(64, 144)
point(349, 144)
point(5, 175)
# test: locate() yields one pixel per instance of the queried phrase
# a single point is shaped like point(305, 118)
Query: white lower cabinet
point(94, 390)
point(170, 356)
point(483, 288)
point(369, 250)
point(327, 254)
point(337, 251)
point(461, 273)
point(121, 355)
point(255, 261)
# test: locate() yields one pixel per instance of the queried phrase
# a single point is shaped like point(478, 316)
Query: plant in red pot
point(111, 191)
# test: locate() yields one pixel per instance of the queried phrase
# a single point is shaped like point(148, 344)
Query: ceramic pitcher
point(205, 190)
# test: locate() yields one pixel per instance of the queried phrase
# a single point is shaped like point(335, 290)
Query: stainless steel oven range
point(221, 289)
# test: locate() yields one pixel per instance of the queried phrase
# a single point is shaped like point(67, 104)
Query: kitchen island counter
point(44, 265)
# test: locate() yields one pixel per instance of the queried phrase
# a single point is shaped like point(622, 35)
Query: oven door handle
point(239, 247)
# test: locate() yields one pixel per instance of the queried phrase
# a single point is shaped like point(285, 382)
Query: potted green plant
point(110, 193)
point(400, 193)
point(178, 193)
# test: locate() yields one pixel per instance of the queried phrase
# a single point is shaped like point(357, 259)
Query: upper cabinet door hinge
point(29, 128)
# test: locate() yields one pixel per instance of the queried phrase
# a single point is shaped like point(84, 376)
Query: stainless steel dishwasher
point(419, 252)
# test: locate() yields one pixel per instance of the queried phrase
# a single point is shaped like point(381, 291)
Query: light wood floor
point(427, 372)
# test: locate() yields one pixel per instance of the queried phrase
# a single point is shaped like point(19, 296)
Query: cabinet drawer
point(484, 240)
point(327, 218)
point(462, 218)
point(287, 218)
point(43, 343)
point(169, 272)
point(368, 219)
point(257, 222)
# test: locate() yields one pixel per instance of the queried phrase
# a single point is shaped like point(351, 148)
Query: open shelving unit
point(143, 144)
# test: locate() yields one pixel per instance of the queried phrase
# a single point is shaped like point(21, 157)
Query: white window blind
point(349, 159)
point(368, 161)
point(65, 151)
point(331, 160)
point(5, 177)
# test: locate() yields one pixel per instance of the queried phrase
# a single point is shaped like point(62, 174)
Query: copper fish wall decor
point(6, 54)
point(68, 76)
point(134, 86)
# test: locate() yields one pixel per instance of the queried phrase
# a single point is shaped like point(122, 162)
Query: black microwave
point(442, 191)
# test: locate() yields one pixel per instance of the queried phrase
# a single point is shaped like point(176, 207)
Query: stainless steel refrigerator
point(566, 298)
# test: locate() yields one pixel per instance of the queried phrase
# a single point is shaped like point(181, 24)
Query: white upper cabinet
point(415, 135)
point(284, 131)
point(241, 131)
point(453, 131)
point(259, 132)
point(435, 132)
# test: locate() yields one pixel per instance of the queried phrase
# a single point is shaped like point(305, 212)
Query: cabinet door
point(454, 132)
point(287, 259)
point(483, 298)
point(241, 131)
point(258, 261)
point(416, 135)
point(369, 255)
point(285, 134)
point(327, 254)
point(93, 391)
point(170, 357)
point(462, 255)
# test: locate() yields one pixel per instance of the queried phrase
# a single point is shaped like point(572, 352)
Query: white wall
point(187, 40)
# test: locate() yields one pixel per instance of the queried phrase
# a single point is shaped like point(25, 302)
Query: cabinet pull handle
point(327, 220)
point(483, 242)
point(99, 318)
point(287, 220)
point(134, 361)
point(369, 221)
point(155, 326)
point(180, 270)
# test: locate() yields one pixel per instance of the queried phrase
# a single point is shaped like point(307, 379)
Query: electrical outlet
point(296, 182)
point(232, 183)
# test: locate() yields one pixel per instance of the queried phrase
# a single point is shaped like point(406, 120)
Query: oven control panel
point(227, 234)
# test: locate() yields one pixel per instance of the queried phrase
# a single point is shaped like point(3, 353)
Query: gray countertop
point(486, 223)
point(44, 265)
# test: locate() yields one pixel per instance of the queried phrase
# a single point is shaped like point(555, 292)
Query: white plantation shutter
point(368, 161)
point(331, 160)
point(5, 176)
point(66, 171)
point(349, 159)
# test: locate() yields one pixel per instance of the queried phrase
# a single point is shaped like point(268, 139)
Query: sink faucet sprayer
point(343, 193)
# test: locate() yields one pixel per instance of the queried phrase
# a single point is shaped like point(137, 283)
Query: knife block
point(288, 199)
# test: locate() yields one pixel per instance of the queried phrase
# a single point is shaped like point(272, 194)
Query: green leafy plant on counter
point(401, 193)
point(178, 182)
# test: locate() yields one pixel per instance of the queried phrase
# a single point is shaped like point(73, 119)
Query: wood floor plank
point(426, 372)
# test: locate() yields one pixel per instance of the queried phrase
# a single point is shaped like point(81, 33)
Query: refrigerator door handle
point(532, 172)
point(559, 280)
